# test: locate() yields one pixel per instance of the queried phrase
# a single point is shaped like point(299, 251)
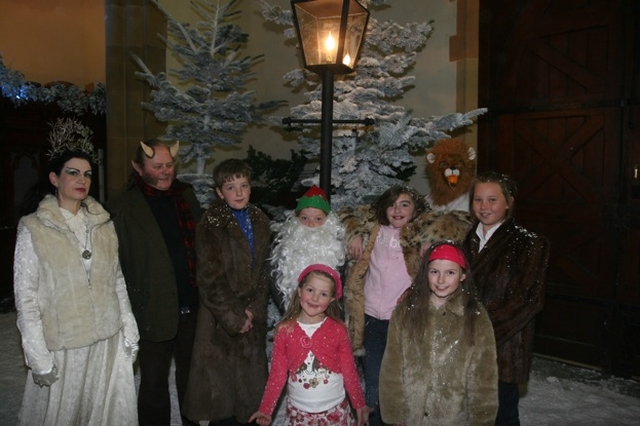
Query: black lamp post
point(330, 33)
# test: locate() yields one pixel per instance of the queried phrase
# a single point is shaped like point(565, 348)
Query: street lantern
point(330, 34)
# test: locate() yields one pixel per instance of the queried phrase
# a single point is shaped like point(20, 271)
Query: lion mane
point(450, 167)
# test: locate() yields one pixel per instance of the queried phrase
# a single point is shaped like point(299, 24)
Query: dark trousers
point(154, 405)
point(375, 342)
point(508, 399)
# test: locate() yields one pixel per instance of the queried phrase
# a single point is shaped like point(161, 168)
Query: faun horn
point(472, 153)
point(174, 149)
point(147, 149)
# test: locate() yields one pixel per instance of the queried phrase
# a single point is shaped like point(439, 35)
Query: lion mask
point(450, 167)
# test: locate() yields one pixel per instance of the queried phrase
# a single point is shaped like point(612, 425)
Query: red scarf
point(186, 221)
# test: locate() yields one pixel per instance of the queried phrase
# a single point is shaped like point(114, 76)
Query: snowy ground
point(556, 395)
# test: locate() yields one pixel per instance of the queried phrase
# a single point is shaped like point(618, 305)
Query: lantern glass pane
point(319, 25)
point(356, 26)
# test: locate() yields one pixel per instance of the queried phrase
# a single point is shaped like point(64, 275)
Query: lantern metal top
point(330, 33)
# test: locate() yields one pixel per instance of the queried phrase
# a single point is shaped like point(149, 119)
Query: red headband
point(448, 252)
point(324, 268)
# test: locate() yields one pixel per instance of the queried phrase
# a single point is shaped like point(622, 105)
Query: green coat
point(147, 266)
point(448, 375)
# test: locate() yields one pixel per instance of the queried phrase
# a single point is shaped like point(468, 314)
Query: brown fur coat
point(446, 375)
point(229, 369)
point(510, 274)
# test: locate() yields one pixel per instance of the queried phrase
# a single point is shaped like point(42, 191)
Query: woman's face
point(401, 211)
point(444, 278)
point(489, 204)
point(73, 184)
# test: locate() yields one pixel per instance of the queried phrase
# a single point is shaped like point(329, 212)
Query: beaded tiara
point(68, 135)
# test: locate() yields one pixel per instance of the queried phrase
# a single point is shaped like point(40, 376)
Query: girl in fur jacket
point(312, 354)
point(388, 250)
point(439, 366)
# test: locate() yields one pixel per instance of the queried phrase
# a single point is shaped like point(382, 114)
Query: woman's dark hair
point(43, 187)
point(507, 186)
point(388, 197)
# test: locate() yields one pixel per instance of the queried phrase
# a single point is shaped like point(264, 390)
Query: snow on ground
point(557, 394)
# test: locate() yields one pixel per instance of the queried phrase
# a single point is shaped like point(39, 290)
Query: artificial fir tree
point(208, 107)
point(366, 161)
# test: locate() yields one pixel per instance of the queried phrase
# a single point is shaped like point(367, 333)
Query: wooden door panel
point(572, 330)
point(563, 161)
point(557, 52)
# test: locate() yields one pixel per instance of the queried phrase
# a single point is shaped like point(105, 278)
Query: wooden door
point(555, 77)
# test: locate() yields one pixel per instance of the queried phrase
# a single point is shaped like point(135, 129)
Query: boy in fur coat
point(229, 364)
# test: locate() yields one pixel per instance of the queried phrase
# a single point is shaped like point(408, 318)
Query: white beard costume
point(297, 246)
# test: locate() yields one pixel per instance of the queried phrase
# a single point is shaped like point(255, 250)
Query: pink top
point(331, 346)
point(387, 278)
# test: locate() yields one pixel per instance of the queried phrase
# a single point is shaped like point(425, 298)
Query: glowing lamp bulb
point(346, 60)
point(330, 43)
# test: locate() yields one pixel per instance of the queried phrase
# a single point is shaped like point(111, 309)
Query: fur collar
point(50, 215)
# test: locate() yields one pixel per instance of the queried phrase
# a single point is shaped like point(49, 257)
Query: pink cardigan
point(330, 344)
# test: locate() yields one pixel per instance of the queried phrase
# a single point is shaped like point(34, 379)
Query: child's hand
point(260, 418)
point(424, 247)
point(248, 324)
point(354, 248)
point(363, 415)
point(403, 296)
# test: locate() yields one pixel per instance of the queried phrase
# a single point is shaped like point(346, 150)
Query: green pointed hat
point(314, 197)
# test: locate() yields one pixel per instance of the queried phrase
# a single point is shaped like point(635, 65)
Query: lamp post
point(330, 33)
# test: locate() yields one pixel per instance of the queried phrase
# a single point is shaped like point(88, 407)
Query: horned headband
point(148, 151)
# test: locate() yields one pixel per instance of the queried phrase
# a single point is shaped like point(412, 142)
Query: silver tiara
point(68, 135)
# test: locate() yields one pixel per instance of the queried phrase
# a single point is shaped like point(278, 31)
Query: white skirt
point(95, 387)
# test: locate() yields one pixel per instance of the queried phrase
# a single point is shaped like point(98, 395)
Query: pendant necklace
point(77, 224)
point(86, 254)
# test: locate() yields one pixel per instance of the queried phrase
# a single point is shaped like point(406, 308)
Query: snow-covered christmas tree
point(208, 106)
point(366, 161)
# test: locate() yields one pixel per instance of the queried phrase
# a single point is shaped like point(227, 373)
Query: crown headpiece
point(68, 135)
